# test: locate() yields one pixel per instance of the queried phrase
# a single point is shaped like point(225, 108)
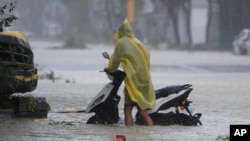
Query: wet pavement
point(221, 93)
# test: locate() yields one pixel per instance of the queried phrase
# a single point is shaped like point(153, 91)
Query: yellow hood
point(124, 30)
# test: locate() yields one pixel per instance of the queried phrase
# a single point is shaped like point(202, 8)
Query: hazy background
point(159, 23)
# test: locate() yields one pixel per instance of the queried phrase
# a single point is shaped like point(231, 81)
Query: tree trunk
point(212, 29)
point(109, 5)
point(175, 21)
point(177, 8)
point(187, 8)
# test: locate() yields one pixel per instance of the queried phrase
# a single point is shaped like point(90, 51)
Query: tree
point(234, 16)
point(6, 15)
point(79, 29)
point(212, 30)
point(176, 8)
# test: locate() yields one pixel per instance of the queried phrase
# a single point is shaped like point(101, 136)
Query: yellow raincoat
point(135, 60)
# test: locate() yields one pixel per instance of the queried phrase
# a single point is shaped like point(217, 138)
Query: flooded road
point(221, 93)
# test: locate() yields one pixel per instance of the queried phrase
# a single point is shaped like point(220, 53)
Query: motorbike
point(105, 104)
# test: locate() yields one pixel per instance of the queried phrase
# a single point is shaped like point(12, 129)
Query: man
point(135, 60)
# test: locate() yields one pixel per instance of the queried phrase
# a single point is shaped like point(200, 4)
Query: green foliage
point(32, 102)
point(5, 102)
point(224, 138)
point(64, 123)
point(49, 75)
point(6, 16)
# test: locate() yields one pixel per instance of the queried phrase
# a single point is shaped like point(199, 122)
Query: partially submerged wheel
point(93, 120)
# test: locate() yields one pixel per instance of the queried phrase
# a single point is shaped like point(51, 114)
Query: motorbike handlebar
point(104, 70)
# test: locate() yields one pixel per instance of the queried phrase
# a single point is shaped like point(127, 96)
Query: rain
point(195, 42)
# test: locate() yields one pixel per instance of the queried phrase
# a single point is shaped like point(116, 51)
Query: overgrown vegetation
point(51, 76)
point(6, 18)
point(6, 15)
point(65, 123)
point(32, 102)
point(8, 101)
point(224, 138)
point(5, 102)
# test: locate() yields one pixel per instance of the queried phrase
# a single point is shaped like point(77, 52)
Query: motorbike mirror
point(105, 55)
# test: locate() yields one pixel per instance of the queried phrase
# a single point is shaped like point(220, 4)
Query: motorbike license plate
point(191, 109)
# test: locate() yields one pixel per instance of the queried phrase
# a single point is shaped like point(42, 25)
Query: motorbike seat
point(166, 91)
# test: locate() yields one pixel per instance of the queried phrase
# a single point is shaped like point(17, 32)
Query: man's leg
point(128, 115)
point(145, 117)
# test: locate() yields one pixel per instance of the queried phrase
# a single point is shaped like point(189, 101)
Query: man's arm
point(114, 60)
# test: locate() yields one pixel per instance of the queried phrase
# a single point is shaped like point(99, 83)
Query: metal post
point(131, 10)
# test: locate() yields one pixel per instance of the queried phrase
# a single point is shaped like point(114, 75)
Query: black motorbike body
point(169, 118)
point(105, 104)
point(107, 112)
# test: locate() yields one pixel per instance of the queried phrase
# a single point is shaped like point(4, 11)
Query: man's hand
point(106, 70)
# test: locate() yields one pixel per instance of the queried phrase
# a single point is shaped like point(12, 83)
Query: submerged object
point(18, 73)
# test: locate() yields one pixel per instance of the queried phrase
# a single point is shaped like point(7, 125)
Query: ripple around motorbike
point(105, 104)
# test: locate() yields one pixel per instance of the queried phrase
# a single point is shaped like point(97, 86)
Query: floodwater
point(221, 93)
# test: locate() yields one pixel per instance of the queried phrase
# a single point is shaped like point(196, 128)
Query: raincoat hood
point(124, 30)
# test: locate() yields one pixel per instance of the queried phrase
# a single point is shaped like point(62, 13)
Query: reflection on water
point(72, 129)
point(67, 126)
point(83, 66)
